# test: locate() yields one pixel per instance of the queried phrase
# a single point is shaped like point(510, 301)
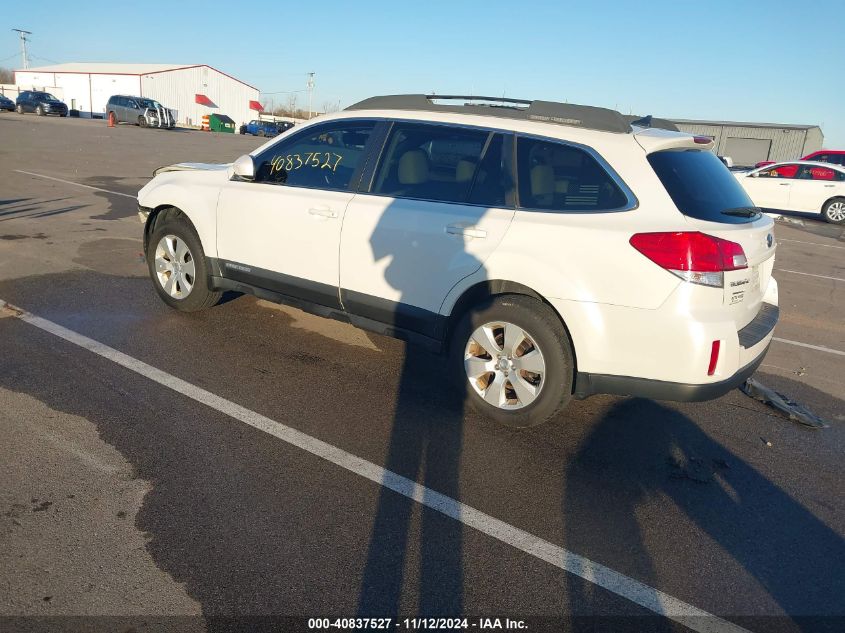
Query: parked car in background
point(833, 156)
point(808, 186)
point(6, 103)
point(42, 103)
point(257, 127)
point(512, 238)
point(140, 111)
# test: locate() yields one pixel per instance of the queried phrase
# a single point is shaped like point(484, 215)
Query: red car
point(835, 156)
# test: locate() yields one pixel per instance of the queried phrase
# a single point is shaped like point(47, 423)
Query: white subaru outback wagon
point(552, 250)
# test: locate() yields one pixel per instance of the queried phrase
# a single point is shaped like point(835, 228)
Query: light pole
point(310, 87)
point(23, 35)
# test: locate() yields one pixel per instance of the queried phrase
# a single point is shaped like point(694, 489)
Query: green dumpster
point(221, 123)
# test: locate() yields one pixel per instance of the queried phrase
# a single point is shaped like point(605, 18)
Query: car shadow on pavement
point(424, 449)
point(641, 451)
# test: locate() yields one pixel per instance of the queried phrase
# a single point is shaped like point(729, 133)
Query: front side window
point(322, 157)
point(558, 177)
point(783, 171)
point(445, 163)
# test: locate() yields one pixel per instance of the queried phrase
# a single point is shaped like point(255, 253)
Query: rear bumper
point(590, 384)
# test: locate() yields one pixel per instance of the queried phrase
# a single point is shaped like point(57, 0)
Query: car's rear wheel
point(261, 133)
point(515, 360)
point(178, 267)
point(19, 109)
point(40, 111)
point(834, 211)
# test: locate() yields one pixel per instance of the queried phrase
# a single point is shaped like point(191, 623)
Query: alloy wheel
point(174, 266)
point(836, 211)
point(504, 365)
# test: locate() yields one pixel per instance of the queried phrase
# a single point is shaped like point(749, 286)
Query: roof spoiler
point(649, 121)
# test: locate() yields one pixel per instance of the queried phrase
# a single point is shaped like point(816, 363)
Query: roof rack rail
point(588, 117)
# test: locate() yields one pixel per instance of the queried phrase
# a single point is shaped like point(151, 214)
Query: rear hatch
point(714, 203)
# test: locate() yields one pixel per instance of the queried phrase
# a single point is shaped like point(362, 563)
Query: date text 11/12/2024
point(416, 624)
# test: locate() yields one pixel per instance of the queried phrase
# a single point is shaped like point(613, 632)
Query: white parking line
point(648, 597)
point(795, 272)
point(76, 184)
point(812, 243)
point(816, 347)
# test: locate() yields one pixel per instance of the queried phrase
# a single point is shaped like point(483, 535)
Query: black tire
point(832, 211)
point(261, 133)
point(201, 296)
point(39, 110)
point(543, 325)
point(19, 109)
point(63, 115)
point(142, 122)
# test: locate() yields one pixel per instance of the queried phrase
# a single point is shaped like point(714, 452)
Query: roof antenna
point(644, 122)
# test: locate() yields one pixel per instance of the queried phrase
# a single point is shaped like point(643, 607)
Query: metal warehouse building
point(190, 90)
point(750, 143)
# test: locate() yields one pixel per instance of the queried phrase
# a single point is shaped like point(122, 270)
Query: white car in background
point(808, 186)
point(553, 250)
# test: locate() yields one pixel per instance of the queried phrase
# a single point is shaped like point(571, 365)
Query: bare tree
point(7, 76)
point(330, 106)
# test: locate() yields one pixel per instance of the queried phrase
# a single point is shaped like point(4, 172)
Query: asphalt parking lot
point(207, 490)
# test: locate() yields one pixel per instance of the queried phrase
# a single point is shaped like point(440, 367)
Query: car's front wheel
point(19, 109)
point(40, 111)
point(834, 211)
point(177, 265)
point(515, 360)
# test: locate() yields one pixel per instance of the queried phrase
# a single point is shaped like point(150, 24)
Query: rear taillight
point(692, 256)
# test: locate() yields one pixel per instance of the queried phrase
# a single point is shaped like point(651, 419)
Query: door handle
point(322, 213)
point(467, 231)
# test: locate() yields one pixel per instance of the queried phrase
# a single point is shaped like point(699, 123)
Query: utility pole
point(310, 88)
point(23, 35)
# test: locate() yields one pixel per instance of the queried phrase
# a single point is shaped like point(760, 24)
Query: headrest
point(413, 167)
point(464, 170)
point(542, 180)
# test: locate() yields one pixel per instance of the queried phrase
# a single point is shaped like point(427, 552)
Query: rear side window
point(445, 163)
point(558, 177)
point(701, 186)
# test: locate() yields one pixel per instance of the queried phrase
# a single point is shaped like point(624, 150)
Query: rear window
point(700, 185)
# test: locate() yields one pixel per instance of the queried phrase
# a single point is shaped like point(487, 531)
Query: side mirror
point(244, 168)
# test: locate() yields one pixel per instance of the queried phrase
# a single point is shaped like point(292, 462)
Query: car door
point(429, 214)
point(282, 230)
point(812, 187)
point(770, 186)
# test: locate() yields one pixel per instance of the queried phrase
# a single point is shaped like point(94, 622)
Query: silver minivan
point(140, 111)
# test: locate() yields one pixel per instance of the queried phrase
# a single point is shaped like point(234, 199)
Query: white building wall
point(86, 92)
point(104, 86)
point(177, 89)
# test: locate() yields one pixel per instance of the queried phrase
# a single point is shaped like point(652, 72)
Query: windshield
point(46, 96)
point(701, 186)
point(149, 103)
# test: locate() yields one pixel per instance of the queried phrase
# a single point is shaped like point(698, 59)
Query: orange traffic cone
point(111, 119)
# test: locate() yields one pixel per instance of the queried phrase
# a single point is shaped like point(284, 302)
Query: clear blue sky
point(768, 61)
